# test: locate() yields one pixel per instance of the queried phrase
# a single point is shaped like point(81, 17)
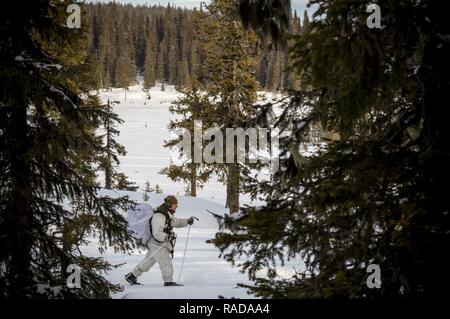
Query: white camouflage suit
point(163, 256)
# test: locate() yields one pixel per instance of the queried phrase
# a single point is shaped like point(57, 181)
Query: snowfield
point(204, 275)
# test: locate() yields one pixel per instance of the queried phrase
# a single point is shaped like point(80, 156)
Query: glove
point(190, 220)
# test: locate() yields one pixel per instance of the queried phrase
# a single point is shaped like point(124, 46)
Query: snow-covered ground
point(143, 132)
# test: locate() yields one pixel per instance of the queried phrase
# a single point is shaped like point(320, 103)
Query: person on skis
point(161, 243)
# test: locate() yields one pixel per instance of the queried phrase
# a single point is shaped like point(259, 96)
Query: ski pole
point(184, 255)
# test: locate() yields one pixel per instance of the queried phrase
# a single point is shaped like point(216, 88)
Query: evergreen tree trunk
point(66, 245)
point(233, 188)
point(233, 169)
point(19, 206)
point(227, 201)
point(101, 79)
point(108, 166)
point(193, 180)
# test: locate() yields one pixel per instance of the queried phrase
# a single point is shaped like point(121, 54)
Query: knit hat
point(170, 200)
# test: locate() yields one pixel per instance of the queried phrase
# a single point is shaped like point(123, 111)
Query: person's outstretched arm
point(183, 222)
point(180, 222)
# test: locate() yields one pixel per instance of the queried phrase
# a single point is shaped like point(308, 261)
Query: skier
point(161, 243)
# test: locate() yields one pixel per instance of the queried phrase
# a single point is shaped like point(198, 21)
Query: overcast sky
point(299, 5)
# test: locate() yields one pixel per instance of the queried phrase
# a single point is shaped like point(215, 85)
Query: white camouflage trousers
point(162, 257)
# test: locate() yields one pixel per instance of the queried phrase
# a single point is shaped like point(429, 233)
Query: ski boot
point(132, 279)
point(171, 283)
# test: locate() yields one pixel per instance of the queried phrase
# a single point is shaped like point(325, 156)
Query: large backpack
point(138, 222)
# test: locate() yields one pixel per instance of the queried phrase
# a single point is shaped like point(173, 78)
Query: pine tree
point(107, 40)
point(228, 77)
point(46, 144)
point(124, 66)
point(376, 194)
point(158, 189)
point(305, 26)
point(109, 158)
point(140, 32)
point(162, 58)
point(170, 37)
point(149, 68)
point(123, 183)
point(191, 106)
point(147, 191)
point(149, 76)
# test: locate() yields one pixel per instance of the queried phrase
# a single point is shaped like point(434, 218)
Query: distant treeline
point(160, 43)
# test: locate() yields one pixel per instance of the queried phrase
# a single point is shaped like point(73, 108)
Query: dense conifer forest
point(161, 43)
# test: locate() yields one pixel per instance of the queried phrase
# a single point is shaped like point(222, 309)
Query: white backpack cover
point(138, 222)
